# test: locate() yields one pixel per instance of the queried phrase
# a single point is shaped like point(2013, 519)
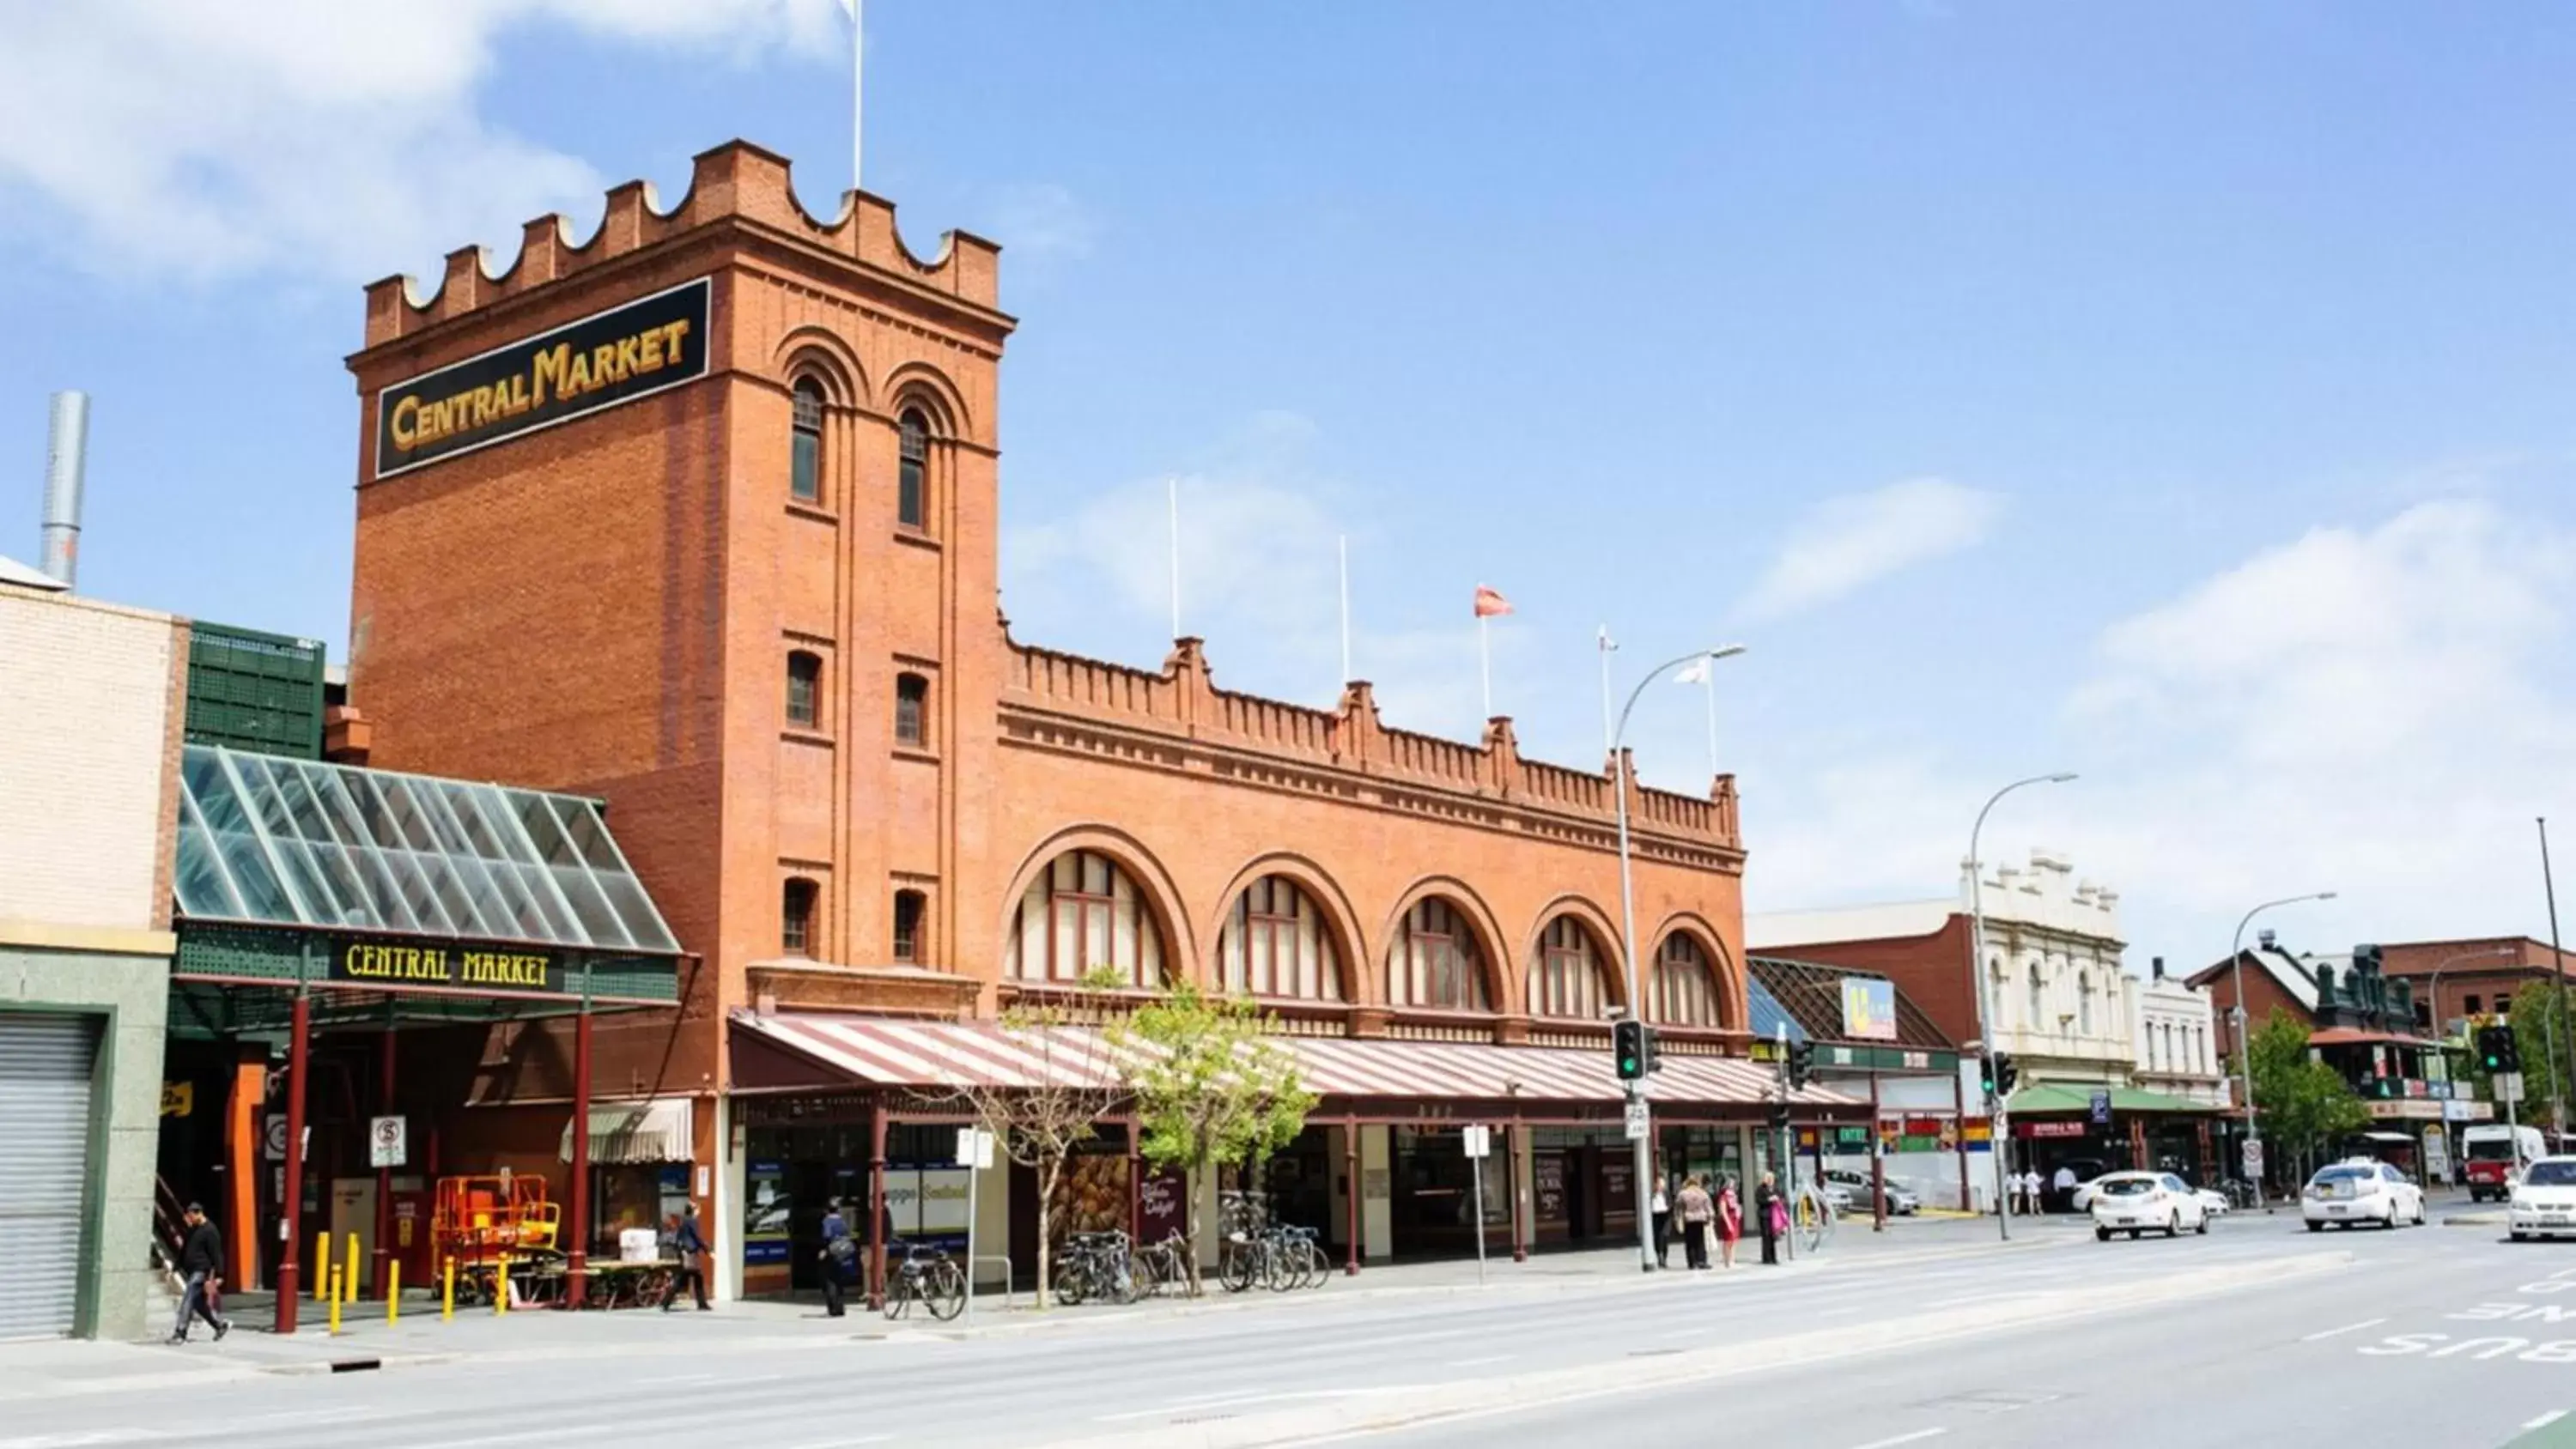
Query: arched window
point(912, 469)
point(1433, 961)
point(1565, 980)
point(1685, 991)
point(1276, 943)
point(805, 459)
point(908, 908)
point(804, 688)
point(2038, 999)
point(2084, 1003)
point(1082, 913)
point(911, 709)
point(796, 917)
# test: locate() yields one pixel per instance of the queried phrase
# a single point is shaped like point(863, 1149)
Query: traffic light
point(1654, 1051)
point(2007, 1072)
point(1628, 1044)
point(1802, 1063)
point(2497, 1050)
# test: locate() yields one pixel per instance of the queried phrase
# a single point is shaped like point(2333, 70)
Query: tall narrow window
point(911, 709)
point(2038, 998)
point(910, 475)
point(908, 906)
point(1083, 914)
point(1434, 961)
point(804, 688)
point(2084, 1003)
point(1275, 943)
point(805, 476)
point(1685, 991)
point(1565, 980)
point(796, 918)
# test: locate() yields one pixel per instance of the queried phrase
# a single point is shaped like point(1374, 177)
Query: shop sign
point(2049, 1129)
point(579, 368)
point(1922, 1126)
point(1977, 1131)
point(1162, 1204)
point(2101, 1109)
point(766, 1215)
point(1852, 1135)
point(1869, 1008)
point(1918, 1144)
point(394, 964)
point(178, 1099)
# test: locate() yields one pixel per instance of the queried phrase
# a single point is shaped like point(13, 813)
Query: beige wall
point(85, 730)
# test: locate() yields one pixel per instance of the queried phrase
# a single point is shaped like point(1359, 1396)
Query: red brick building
point(700, 517)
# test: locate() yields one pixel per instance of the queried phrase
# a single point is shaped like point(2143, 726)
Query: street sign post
point(387, 1142)
point(1480, 1145)
point(1637, 1121)
point(974, 1153)
point(2254, 1162)
point(2101, 1109)
point(2508, 1086)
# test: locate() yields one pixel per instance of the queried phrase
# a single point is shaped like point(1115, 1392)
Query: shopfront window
point(1084, 912)
point(1434, 961)
point(1566, 979)
point(1276, 942)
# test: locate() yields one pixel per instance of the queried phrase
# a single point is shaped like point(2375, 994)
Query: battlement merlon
point(736, 180)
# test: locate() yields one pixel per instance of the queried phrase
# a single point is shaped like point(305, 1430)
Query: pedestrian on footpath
point(1697, 1212)
point(2065, 1184)
point(1770, 1218)
point(2030, 1192)
point(1663, 1211)
point(201, 1263)
point(692, 1273)
point(1730, 1221)
point(840, 1255)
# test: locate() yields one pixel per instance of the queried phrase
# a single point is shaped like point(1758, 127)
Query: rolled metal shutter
point(45, 1064)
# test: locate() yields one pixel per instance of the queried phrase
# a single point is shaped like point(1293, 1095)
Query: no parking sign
point(387, 1140)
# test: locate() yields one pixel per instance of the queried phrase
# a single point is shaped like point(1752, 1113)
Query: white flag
point(1695, 672)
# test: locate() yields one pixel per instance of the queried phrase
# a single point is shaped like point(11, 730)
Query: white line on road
point(847, 1443)
point(526, 1435)
point(83, 1439)
point(1902, 1439)
point(1474, 1362)
point(2545, 1420)
point(2347, 1328)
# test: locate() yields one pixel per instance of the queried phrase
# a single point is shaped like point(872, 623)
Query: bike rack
point(1008, 1292)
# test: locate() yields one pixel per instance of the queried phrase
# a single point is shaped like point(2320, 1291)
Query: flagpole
point(1485, 659)
point(1344, 544)
point(1708, 680)
point(1606, 646)
point(1174, 486)
point(858, 91)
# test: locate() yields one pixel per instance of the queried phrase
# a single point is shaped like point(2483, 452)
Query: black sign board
point(447, 965)
point(598, 362)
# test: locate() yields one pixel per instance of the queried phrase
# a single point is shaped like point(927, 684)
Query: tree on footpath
point(2302, 1104)
point(2540, 1035)
point(1211, 1088)
point(1040, 1127)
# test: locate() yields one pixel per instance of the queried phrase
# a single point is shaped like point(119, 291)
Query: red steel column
point(1351, 1196)
point(876, 1206)
point(384, 1178)
point(290, 1265)
point(1518, 1149)
point(1135, 1185)
point(578, 1259)
point(1959, 1114)
point(1877, 1162)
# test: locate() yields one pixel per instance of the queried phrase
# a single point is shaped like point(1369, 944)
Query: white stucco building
point(2178, 1046)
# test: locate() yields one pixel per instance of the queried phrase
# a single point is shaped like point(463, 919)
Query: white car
point(2543, 1203)
point(2363, 1190)
point(2144, 1202)
point(2212, 1201)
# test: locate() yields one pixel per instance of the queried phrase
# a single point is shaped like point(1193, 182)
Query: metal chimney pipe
point(66, 460)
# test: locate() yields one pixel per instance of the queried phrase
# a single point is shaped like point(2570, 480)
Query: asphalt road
point(2258, 1334)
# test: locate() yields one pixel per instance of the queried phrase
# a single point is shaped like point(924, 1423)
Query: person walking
point(2030, 1191)
point(692, 1273)
point(2065, 1185)
point(201, 1264)
point(1770, 1217)
point(840, 1254)
point(1662, 1208)
point(1696, 1215)
point(1730, 1221)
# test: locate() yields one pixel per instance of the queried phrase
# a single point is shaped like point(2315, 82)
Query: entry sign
point(1480, 1140)
point(2253, 1160)
point(1636, 1121)
point(2101, 1109)
point(974, 1148)
point(386, 1142)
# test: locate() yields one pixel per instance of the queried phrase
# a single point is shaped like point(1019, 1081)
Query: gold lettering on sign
point(553, 374)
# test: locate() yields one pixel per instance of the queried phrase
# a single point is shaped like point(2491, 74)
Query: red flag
point(1489, 603)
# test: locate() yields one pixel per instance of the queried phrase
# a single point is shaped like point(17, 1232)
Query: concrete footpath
point(368, 1343)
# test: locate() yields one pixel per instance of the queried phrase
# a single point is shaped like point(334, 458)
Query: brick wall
point(1931, 968)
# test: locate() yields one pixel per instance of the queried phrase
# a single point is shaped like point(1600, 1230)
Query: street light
point(1645, 1159)
point(2244, 1051)
point(1998, 1142)
point(2433, 1000)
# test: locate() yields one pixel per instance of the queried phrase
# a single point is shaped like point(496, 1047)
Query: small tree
point(2540, 1036)
point(1040, 1127)
point(2303, 1105)
point(1212, 1088)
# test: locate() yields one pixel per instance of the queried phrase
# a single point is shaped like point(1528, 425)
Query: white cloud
point(1854, 540)
point(316, 137)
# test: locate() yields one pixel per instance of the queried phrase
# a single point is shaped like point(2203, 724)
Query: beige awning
point(625, 1132)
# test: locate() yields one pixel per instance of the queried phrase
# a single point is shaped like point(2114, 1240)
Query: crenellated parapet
point(737, 182)
point(1093, 701)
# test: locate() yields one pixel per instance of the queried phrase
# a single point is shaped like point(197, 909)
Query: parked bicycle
point(1095, 1267)
point(1162, 1267)
point(928, 1276)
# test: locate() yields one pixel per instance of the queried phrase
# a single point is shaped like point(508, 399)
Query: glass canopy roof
point(276, 841)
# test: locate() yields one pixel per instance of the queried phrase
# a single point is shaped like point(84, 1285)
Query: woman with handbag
point(1770, 1218)
point(1730, 1223)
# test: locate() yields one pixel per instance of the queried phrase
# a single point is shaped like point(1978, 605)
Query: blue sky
point(2180, 395)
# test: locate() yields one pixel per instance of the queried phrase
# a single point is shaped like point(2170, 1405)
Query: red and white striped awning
point(882, 1051)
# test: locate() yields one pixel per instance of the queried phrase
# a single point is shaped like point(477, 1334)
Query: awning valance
point(882, 1051)
point(638, 1132)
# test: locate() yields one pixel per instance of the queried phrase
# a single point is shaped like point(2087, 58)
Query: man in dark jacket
point(201, 1263)
point(840, 1258)
point(692, 1272)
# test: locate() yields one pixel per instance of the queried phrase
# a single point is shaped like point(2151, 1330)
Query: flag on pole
point(1695, 672)
point(1490, 602)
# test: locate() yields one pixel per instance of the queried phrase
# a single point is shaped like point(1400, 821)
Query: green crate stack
point(254, 691)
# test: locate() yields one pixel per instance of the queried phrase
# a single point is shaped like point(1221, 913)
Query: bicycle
point(929, 1275)
point(1160, 1267)
point(1811, 1219)
point(1095, 1265)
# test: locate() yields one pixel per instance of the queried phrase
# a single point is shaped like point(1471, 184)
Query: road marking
point(847, 1443)
point(1918, 1434)
point(83, 1439)
point(1474, 1362)
point(2347, 1328)
point(1245, 1401)
point(2545, 1420)
point(526, 1435)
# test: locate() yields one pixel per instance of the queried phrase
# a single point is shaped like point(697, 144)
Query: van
point(2493, 1156)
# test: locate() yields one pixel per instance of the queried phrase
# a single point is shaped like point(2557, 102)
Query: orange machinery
point(476, 1221)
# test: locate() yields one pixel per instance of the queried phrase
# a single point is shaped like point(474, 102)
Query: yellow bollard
point(322, 1268)
point(393, 1290)
point(447, 1296)
point(501, 1287)
point(335, 1305)
point(349, 1282)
